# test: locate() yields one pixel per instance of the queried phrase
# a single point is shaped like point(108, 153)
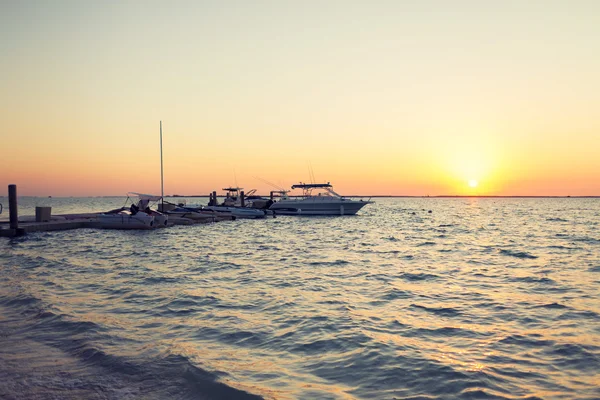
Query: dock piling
point(12, 207)
point(242, 200)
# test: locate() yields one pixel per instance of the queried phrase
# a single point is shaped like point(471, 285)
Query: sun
point(473, 183)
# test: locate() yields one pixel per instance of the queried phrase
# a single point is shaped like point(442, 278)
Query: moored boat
point(138, 215)
point(317, 199)
point(235, 204)
point(126, 219)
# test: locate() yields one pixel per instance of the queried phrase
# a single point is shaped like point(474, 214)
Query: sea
point(412, 298)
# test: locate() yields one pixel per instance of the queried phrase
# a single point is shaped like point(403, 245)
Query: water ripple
point(481, 298)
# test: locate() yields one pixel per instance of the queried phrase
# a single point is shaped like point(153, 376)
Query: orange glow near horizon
point(416, 102)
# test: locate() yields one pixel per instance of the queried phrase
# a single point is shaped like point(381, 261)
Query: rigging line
point(269, 183)
point(162, 190)
point(311, 173)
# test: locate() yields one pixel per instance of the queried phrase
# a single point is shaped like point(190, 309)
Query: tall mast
point(162, 189)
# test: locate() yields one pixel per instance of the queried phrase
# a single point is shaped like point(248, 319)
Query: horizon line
point(352, 195)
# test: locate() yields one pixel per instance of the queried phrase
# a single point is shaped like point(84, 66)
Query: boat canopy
point(232, 189)
point(142, 196)
point(311, 185)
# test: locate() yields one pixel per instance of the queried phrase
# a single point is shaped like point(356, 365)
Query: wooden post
point(215, 198)
point(12, 207)
point(242, 202)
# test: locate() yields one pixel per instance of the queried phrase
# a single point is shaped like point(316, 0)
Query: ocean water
point(414, 298)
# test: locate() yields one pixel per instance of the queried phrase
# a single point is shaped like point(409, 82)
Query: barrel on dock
point(43, 214)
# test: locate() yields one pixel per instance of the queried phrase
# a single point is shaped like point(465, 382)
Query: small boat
point(126, 219)
point(235, 204)
point(138, 215)
point(197, 213)
point(144, 201)
point(317, 199)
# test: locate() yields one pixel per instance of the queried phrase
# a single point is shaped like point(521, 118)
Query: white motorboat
point(126, 219)
point(144, 201)
point(235, 204)
point(317, 199)
point(238, 212)
point(137, 216)
point(197, 213)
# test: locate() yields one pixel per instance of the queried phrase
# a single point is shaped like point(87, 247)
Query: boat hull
point(317, 207)
point(126, 221)
point(239, 212)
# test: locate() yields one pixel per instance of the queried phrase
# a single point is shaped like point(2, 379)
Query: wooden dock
point(53, 225)
point(43, 221)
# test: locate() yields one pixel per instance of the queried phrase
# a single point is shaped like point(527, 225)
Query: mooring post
point(12, 207)
point(242, 201)
point(215, 197)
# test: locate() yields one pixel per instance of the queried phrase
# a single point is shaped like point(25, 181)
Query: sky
point(377, 97)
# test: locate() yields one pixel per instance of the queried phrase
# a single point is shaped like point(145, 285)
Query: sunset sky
point(378, 97)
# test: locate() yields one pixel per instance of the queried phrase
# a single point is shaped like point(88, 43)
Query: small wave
point(552, 306)
point(442, 311)
point(518, 254)
point(155, 280)
point(556, 219)
point(529, 341)
point(335, 345)
point(577, 315)
point(242, 338)
point(21, 300)
point(574, 356)
point(559, 247)
point(587, 239)
point(447, 331)
point(418, 277)
point(533, 279)
point(324, 263)
point(426, 244)
point(594, 269)
point(394, 294)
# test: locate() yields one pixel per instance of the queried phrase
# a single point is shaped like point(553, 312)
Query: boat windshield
point(319, 189)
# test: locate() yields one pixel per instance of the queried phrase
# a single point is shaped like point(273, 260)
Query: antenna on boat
point(270, 184)
point(312, 174)
point(162, 189)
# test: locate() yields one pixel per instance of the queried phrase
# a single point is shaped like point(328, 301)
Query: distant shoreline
point(354, 195)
